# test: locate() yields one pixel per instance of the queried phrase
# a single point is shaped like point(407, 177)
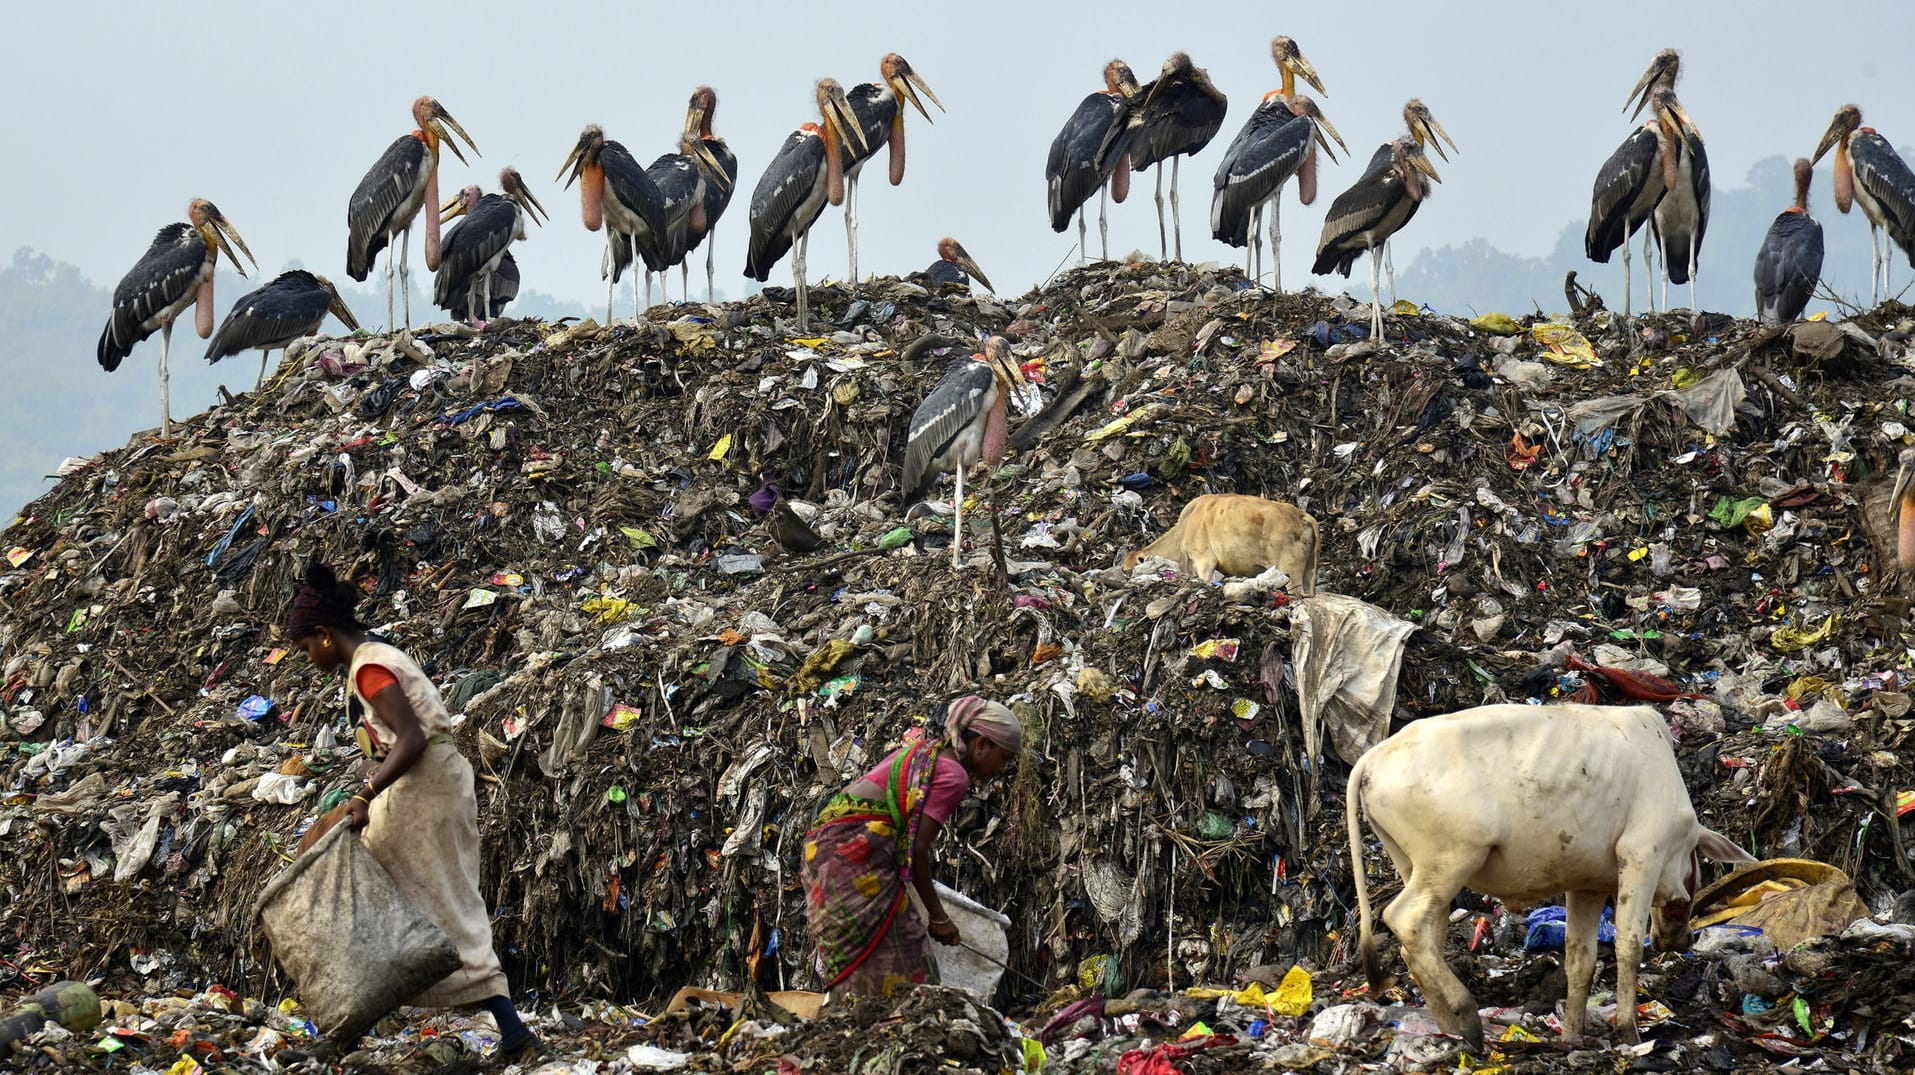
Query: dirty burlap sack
point(354, 947)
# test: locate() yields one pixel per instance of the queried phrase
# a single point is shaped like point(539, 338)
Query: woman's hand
point(944, 931)
point(358, 811)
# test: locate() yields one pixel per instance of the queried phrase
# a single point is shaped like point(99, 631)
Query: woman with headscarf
point(418, 808)
point(875, 836)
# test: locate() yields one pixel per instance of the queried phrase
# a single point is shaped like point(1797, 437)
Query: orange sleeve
point(371, 679)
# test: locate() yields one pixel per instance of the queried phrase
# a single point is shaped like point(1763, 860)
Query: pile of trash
point(662, 577)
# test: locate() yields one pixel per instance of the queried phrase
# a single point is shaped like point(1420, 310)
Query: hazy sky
point(116, 118)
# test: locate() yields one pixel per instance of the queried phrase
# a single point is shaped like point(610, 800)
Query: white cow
point(1526, 803)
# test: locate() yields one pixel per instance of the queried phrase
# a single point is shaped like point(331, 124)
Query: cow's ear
point(1720, 848)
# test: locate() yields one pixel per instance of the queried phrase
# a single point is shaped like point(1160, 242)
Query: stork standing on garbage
point(1092, 153)
point(1181, 113)
point(476, 246)
point(383, 206)
point(294, 304)
point(875, 836)
point(806, 172)
point(1365, 216)
point(960, 423)
point(879, 108)
point(954, 266)
point(175, 272)
point(1869, 171)
point(1279, 140)
point(1790, 260)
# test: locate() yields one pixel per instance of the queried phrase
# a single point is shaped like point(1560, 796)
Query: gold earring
point(326, 642)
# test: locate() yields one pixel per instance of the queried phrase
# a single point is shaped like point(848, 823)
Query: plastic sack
point(1546, 926)
point(975, 965)
point(354, 947)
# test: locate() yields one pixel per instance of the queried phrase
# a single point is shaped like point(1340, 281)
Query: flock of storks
point(659, 214)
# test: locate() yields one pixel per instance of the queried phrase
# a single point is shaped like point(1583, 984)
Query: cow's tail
point(1366, 938)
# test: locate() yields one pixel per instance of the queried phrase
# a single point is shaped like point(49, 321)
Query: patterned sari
point(857, 864)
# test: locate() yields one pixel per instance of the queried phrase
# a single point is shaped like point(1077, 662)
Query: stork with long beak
point(1902, 504)
point(294, 304)
point(879, 108)
point(476, 246)
point(806, 172)
point(1092, 153)
point(961, 423)
point(1869, 171)
point(384, 204)
point(1430, 135)
point(617, 195)
point(1279, 140)
point(1181, 113)
point(1375, 208)
point(175, 272)
point(954, 266)
point(1629, 186)
point(719, 161)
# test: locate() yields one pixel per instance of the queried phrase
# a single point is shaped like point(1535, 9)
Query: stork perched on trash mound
point(961, 422)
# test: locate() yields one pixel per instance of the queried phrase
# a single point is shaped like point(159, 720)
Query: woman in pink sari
point(876, 835)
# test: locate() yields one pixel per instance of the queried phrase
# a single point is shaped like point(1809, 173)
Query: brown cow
point(1241, 536)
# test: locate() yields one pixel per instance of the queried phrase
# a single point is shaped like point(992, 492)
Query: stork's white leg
point(1376, 302)
point(391, 253)
point(1875, 268)
point(1176, 218)
point(1276, 244)
point(485, 311)
point(1693, 308)
point(257, 385)
point(851, 226)
point(798, 280)
point(1389, 267)
point(1103, 223)
point(711, 246)
point(1649, 270)
point(166, 396)
point(1083, 254)
point(1163, 241)
point(957, 522)
point(405, 278)
point(1625, 278)
point(685, 280)
point(1253, 250)
point(636, 266)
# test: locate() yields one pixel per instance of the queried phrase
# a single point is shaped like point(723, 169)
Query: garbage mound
point(662, 577)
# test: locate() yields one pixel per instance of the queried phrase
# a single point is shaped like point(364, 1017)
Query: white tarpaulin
point(1347, 655)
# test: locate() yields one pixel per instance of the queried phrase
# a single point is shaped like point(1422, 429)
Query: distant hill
point(1477, 278)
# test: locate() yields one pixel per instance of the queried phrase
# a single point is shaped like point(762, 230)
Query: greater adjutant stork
point(1430, 135)
point(1869, 171)
point(476, 246)
point(806, 172)
point(503, 285)
point(1790, 261)
point(1682, 216)
point(294, 304)
point(1181, 113)
point(175, 272)
point(954, 266)
point(616, 194)
point(1279, 140)
point(1092, 153)
point(704, 105)
point(1629, 187)
point(879, 108)
point(1365, 216)
point(682, 179)
point(389, 197)
point(960, 423)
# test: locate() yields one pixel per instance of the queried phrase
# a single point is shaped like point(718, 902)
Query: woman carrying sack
point(418, 808)
point(876, 835)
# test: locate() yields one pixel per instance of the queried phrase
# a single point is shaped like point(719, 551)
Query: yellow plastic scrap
point(817, 667)
point(1405, 308)
point(1294, 993)
point(608, 610)
point(809, 341)
point(1791, 638)
point(1090, 972)
point(1496, 324)
point(1565, 346)
point(1275, 349)
point(1759, 520)
point(1034, 1056)
point(722, 448)
point(1125, 425)
point(186, 1066)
